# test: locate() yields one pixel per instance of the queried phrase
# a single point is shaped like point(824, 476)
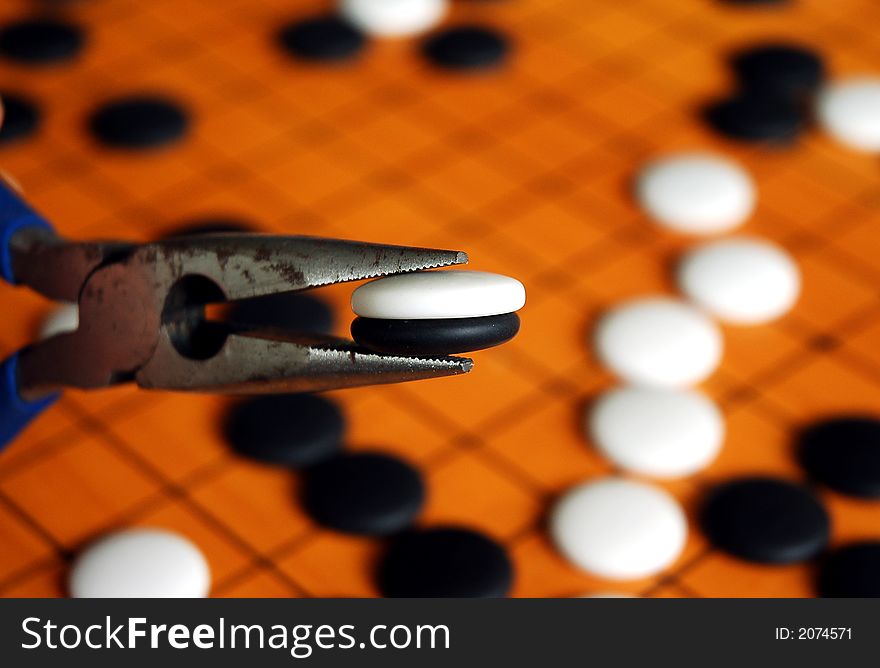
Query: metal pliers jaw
point(142, 312)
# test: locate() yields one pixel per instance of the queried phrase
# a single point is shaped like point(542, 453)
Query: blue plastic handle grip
point(16, 412)
point(15, 215)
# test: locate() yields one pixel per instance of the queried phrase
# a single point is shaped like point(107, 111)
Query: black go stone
point(290, 312)
point(467, 48)
point(785, 70)
point(852, 571)
point(844, 453)
point(296, 430)
point(434, 336)
point(765, 520)
point(757, 118)
point(40, 41)
point(445, 562)
point(139, 122)
point(210, 226)
point(364, 493)
point(21, 118)
point(324, 39)
point(756, 3)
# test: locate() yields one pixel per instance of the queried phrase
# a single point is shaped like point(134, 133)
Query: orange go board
point(527, 169)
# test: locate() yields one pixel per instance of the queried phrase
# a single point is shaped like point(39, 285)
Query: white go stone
point(394, 18)
point(849, 111)
point(659, 341)
point(619, 529)
point(63, 318)
point(696, 193)
point(741, 281)
point(438, 294)
point(657, 432)
point(140, 563)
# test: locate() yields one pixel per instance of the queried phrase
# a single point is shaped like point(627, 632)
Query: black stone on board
point(756, 3)
point(765, 520)
point(139, 122)
point(323, 38)
point(366, 493)
point(434, 336)
point(290, 311)
point(210, 226)
point(757, 118)
point(295, 430)
point(466, 48)
point(21, 117)
point(445, 562)
point(786, 70)
point(40, 41)
point(851, 571)
point(844, 453)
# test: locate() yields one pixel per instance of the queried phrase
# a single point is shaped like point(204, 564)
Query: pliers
point(142, 314)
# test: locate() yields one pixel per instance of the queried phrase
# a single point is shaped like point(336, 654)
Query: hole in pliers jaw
point(183, 316)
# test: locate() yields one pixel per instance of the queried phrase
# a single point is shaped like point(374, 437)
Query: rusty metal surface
point(276, 365)
point(140, 305)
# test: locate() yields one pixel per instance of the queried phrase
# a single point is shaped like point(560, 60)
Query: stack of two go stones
point(436, 312)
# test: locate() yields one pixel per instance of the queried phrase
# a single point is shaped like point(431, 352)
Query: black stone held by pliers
point(142, 314)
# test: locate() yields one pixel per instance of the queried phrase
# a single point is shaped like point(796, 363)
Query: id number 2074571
point(814, 633)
